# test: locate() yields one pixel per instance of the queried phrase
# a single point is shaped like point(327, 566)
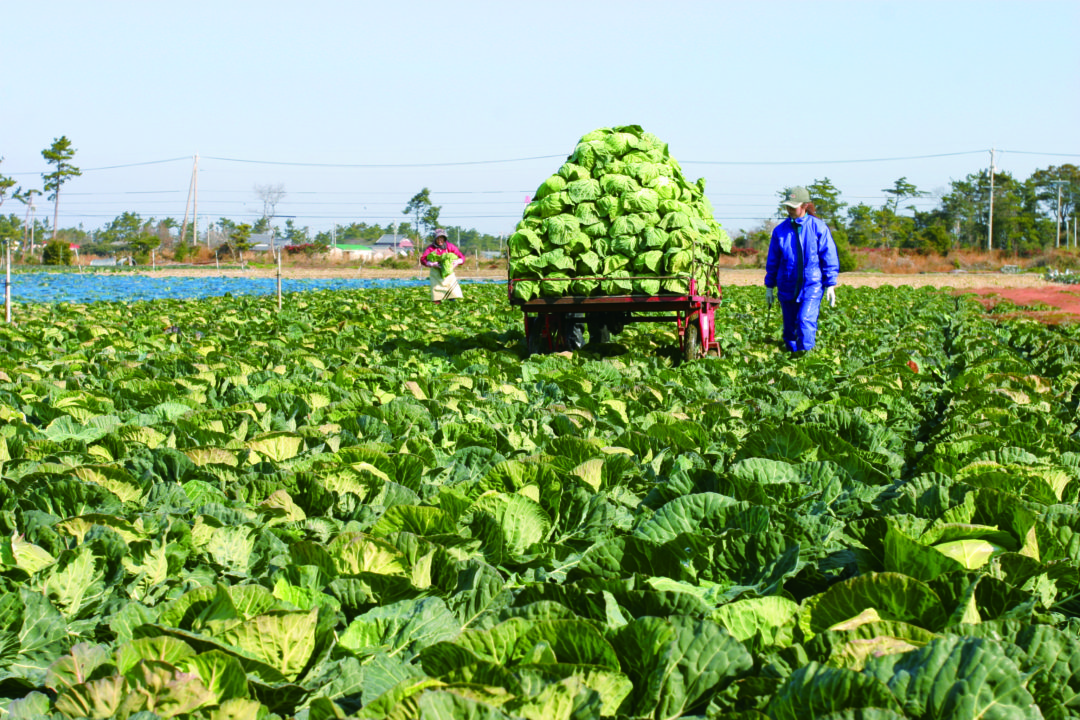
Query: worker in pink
point(444, 282)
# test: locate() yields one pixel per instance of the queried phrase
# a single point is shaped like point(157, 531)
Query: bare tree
point(270, 195)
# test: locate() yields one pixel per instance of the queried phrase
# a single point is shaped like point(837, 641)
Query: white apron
point(444, 288)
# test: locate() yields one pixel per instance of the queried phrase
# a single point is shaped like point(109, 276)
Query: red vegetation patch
point(1052, 305)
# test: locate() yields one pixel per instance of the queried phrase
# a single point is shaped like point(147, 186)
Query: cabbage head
point(609, 206)
point(678, 261)
point(644, 200)
point(554, 285)
point(524, 242)
point(618, 184)
point(530, 266)
point(676, 286)
point(589, 263)
point(578, 243)
point(596, 231)
point(666, 188)
point(556, 260)
point(590, 152)
point(586, 213)
point(626, 245)
point(554, 204)
point(614, 263)
point(581, 191)
point(654, 238)
point(560, 228)
point(584, 286)
point(526, 290)
point(675, 220)
point(571, 172)
point(647, 172)
point(617, 283)
point(598, 134)
point(650, 262)
point(554, 184)
point(670, 205)
point(647, 286)
point(683, 237)
point(619, 143)
point(628, 225)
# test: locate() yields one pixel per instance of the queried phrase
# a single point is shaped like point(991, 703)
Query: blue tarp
point(93, 287)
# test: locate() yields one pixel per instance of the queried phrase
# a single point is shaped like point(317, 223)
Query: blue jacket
point(820, 265)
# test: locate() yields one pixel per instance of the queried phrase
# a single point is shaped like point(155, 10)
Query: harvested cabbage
point(619, 207)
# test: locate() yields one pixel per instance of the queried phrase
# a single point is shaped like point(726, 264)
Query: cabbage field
point(370, 506)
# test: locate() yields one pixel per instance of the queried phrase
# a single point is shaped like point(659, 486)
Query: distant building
point(392, 244)
point(266, 242)
point(348, 251)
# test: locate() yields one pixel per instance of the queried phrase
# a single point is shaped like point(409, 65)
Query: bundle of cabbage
point(618, 218)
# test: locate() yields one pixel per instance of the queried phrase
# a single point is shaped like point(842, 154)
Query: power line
point(825, 162)
point(549, 157)
point(383, 165)
point(148, 162)
point(1024, 152)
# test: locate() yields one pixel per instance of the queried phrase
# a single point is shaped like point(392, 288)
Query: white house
point(348, 251)
point(392, 245)
point(266, 242)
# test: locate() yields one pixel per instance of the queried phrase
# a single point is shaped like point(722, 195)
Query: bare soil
point(1034, 297)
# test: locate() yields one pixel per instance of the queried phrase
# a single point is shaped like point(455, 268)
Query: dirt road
point(1062, 301)
point(727, 277)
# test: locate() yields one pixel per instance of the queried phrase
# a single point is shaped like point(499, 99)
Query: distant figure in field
point(444, 282)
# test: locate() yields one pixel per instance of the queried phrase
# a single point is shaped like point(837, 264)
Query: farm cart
point(555, 323)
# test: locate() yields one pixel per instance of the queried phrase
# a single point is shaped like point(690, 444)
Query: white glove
point(459, 261)
point(770, 296)
point(830, 295)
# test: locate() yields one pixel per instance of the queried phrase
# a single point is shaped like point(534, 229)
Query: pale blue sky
point(753, 96)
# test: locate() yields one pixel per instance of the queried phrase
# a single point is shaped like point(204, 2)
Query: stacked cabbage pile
point(618, 218)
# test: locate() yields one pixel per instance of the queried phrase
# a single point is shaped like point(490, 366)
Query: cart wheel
point(573, 331)
point(534, 338)
point(599, 332)
point(692, 341)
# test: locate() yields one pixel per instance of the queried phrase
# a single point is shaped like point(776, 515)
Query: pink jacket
point(433, 248)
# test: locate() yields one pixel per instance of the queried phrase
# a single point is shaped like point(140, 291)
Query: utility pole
point(29, 195)
point(33, 222)
point(990, 222)
point(1057, 215)
point(7, 281)
point(195, 206)
point(187, 206)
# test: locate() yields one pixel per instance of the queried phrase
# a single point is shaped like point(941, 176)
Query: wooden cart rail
point(555, 323)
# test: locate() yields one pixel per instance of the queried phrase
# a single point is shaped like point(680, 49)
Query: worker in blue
point(801, 269)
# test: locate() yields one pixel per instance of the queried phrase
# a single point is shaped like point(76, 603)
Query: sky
point(354, 107)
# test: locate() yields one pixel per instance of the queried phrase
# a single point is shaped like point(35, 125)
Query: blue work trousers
point(800, 323)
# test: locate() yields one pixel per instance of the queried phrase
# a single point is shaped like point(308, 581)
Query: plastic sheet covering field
point(93, 287)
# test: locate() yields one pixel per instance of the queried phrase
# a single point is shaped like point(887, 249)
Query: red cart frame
point(694, 315)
